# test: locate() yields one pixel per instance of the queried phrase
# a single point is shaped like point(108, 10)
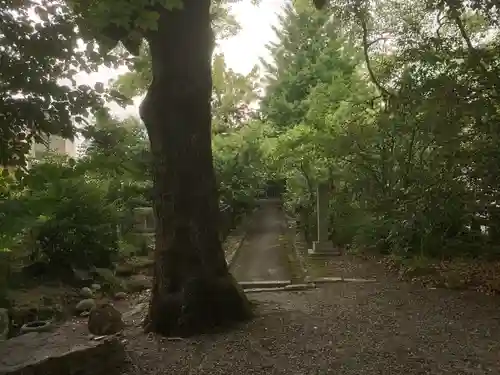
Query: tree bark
point(193, 290)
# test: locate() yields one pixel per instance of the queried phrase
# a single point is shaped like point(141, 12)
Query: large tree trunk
point(193, 290)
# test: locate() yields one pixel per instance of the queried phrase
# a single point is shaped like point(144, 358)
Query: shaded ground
point(385, 327)
point(348, 266)
point(261, 257)
point(348, 328)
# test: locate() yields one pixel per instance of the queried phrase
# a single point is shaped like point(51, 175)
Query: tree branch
point(366, 46)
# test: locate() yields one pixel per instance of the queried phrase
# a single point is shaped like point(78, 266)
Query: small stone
point(85, 305)
point(120, 295)
point(86, 292)
point(105, 319)
point(95, 287)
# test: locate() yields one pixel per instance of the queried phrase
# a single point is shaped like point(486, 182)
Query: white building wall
point(55, 144)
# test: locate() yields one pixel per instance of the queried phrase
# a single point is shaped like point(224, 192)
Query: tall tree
point(193, 289)
point(233, 94)
point(137, 80)
point(299, 60)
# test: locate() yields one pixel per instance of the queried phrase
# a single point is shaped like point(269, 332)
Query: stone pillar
point(323, 246)
point(144, 219)
point(144, 229)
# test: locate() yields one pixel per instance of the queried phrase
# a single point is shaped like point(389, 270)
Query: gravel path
point(262, 256)
point(349, 328)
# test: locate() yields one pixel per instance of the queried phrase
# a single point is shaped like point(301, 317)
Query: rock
point(95, 287)
point(120, 295)
point(86, 292)
point(138, 283)
point(104, 319)
point(85, 305)
point(4, 324)
point(61, 352)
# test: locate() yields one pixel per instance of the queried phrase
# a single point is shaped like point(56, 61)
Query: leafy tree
point(409, 136)
point(233, 96)
point(232, 93)
point(38, 94)
point(239, 164)
point(193, 289)
point(137, 80)
point(302, 34)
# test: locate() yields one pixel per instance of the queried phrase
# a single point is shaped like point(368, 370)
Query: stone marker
point(323, 246)
point(144, 219)
point(65, 351)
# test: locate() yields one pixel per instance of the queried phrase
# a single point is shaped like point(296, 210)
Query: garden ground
point(344, 328)
point(388, 326)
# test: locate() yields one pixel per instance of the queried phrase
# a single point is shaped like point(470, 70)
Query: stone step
point(329, 280)
point(259, 290)
point(264, 284)
point(323, 254)
point(60, 352)
point(293, 287)
point(288, 288)
point(326, 280)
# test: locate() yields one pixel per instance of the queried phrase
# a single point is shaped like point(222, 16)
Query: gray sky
point(242, 52)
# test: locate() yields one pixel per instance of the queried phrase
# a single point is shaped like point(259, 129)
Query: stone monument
point(144, 219)
point(323, 245)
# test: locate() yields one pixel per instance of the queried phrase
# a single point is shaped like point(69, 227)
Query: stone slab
point(324, 248)
point(67, 350)
point(264, 284)
point(299, 287)
point(260, 290)
point(326, 280)
point(356, 280)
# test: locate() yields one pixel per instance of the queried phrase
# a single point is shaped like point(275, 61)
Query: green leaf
point(99, 87)
point(147, 20)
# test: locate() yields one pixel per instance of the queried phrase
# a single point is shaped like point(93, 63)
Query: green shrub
point(61, 217)
point(80, 231)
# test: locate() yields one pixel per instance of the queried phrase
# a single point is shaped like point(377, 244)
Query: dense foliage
point(399, 112)
point(69, 211)
point(393, 102)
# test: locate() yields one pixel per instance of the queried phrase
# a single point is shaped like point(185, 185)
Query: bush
point(81, 231)
point(61, 217)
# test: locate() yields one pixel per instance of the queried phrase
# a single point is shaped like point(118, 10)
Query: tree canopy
point(394, 103)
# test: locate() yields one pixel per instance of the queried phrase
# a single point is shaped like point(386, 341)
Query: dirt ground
point(347, 328)
point(348, 266)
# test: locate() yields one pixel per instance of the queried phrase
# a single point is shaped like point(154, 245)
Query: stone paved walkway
point(262, 256)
